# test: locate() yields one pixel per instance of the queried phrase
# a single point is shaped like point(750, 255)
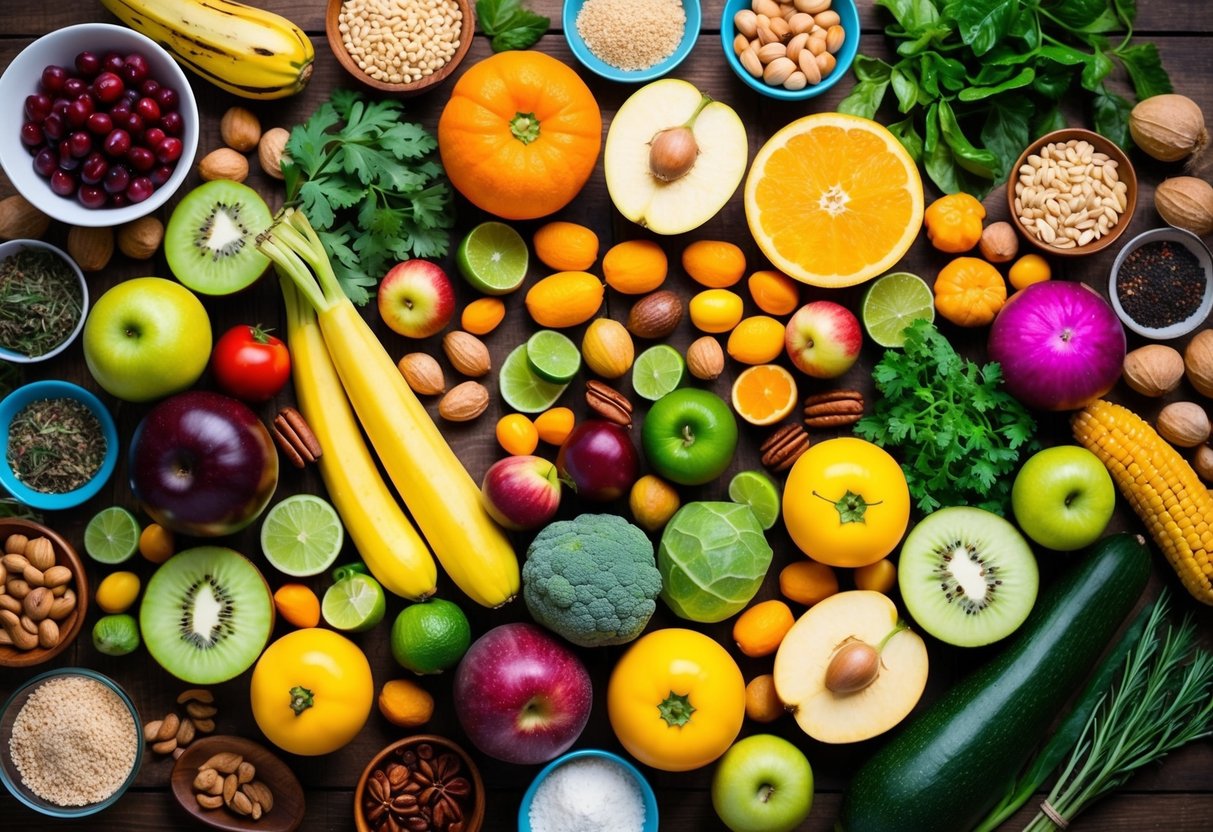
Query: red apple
point(521, 492)
point(823, 339)
point(521, 695)
point(416, 298)
point(598, 460)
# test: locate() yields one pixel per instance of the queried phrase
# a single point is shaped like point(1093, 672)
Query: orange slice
point(764, 394)
point(833, 200)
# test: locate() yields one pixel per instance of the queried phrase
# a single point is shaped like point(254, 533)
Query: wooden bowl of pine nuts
point(1072, 192)
point(403, 52)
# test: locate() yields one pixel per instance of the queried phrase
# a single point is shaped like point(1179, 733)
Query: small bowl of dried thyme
point(59, 444)
point(43, 301)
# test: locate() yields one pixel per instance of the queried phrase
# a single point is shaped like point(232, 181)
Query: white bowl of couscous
point(631, 41)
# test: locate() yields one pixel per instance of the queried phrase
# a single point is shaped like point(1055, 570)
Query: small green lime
point(657, 371)
point(112, 536)
point(757, 490)
point(894, 302)
point(302, 535)
point(493, 258)
point(552, 356)
point(354, 604)
point(430, 637)
point(521, 388)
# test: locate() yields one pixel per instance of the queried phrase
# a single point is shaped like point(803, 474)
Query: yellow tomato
point(846, 502)
point(676, 700)
point(117, 592)
point(312, 691)
point(716, 310)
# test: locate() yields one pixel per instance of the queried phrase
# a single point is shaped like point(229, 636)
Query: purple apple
point(203, 464)
point(521, 492)
point(416, 299)
point(521, 695)
point(598, 460)
point(823, 339)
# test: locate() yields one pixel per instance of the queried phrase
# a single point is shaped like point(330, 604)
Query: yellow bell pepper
point(954, 222)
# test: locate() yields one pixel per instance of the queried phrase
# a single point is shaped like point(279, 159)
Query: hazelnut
point(1184, 424)
point(1153, 370)
point(223, 163)
point(91, 248)
point(705, 358)
point(240, 129)
point(999, 243)
point(1198, 362)
point(271, 150)
point(140, 239)
point(1202, 463)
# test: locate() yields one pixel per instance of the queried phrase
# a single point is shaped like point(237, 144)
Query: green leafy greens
point(364, 178)
point(977, 80)
point(959, 433)
point(509, 24)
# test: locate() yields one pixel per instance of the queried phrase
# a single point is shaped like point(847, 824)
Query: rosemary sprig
point(1163, 701)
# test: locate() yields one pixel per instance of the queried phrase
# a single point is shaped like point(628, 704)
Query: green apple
point(763, 784)
point(689, 436)
point(1063, 497)
point(147, 338)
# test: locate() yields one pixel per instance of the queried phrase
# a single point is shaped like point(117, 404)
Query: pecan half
point(784, 447)
point(832, 409)
point(295, 438)
point(608, 403)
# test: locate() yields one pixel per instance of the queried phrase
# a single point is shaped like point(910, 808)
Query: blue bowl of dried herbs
point(59, 443)
point(43, 301)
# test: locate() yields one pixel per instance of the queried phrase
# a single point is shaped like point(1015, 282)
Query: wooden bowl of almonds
point(1072, 192)
point(384, 44)
point(43, 594)
point(391, 789)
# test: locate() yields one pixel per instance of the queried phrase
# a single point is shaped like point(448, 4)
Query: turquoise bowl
point(849, 20)
point(646, 791)
point(600, 67)
point(13, 404)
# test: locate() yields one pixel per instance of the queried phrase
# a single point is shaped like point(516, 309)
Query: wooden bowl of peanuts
point(1072, 192)
point(43, 594)
point(385, 44)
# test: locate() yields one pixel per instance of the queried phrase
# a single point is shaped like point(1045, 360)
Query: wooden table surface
point(1177, 797)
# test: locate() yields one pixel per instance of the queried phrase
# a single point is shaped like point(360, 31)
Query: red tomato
point(250, 363)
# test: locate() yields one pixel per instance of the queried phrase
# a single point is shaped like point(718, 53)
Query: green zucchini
point(950, 764)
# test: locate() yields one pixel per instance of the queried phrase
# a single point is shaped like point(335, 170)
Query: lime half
point(302, 536)
point(552, 356)
point(354, 604)
point(430, 637)
point(657, 371)
point(894, 302)
point(521, 388)
point(493, 258)
point(112, 535)
point(758, 491)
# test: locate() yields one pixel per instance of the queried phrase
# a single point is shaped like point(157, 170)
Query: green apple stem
point(688, 436)
point(676, 710)
point(765, 792)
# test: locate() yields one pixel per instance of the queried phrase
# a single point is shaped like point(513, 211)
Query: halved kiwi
point(206, 615)
point(211, 239)
point(967, 576)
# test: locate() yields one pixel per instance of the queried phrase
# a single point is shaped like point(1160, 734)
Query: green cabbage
point(712, 558)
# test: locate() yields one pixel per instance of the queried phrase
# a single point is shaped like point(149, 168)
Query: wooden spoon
point(287, 812)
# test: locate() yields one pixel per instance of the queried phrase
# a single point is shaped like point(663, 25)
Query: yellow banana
point(245, 50)
point(387, 541)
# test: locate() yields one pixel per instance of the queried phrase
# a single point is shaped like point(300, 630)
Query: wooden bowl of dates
point(50, 611)
point(421, 783)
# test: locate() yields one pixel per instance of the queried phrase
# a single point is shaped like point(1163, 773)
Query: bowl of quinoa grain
point(631, 41)
point(400, 46)
point(70, 743)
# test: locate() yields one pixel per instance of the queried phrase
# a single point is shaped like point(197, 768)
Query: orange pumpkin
point(520, 135)
point(969, 292)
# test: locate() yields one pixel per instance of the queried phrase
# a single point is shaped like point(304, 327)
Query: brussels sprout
point(116, 635)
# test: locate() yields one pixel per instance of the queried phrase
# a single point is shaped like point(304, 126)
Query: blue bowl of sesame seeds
point(631, 41)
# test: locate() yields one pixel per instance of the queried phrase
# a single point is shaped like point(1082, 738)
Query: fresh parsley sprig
point(509, 24)
point(365, 179)
point(958, 432)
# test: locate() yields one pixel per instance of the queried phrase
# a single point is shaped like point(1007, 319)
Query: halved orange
point(764, 394)
point(833, 200)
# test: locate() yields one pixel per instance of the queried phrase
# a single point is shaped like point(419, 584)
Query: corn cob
point(1160, 485)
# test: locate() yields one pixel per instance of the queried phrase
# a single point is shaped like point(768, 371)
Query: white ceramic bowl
point(1193, 244)
point(61, 47)
point(11, 248)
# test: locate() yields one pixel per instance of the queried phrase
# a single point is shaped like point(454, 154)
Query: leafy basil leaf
point(976, 160)
point(520, 37)
point(1022, 79)
point(1126, 10)
point(1112, 116)
point(1024, 27)
point(1106, 22)
point(1075, 14)
point(1097, 68)
point(942, 166)
point(509, 24)
point(866, 96)
point(911, 14)
point(1063, 55)
point(1144, 65)
point(982, 23)
point(923, 39)
point(871, 69)
point(1047, 121)
point(907, 134)
point(1005, 131)
point(905, 87)
point(949, 72)
point(1052, 80)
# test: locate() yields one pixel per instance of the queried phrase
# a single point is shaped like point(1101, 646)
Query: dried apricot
point(481, 316)
point(517, 434)
point(555, 425)
point(566, 246)
point(714, 263)
point(405, 703)
point(635, 267)
point(564, 299)
point(757, 340)
point(1029, 269)
point(774, 292)
point(880, 576)
point(762, 703)
point(759, 629)
point(807, 582)
point(298, 605)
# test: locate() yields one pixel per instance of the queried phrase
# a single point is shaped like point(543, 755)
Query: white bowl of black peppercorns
point(1162, 283)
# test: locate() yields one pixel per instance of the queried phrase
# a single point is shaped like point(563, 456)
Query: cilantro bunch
point(365, 180)
point(959, 433)
point(977, 80)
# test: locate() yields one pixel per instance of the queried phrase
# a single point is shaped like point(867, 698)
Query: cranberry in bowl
point(103, 125)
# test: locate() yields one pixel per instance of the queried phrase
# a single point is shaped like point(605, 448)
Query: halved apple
point(849, 669)
point(673, 156)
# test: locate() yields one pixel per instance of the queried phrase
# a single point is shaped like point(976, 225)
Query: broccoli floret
point(593, 579)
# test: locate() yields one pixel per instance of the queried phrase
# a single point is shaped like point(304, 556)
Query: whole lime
point(430, 637)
